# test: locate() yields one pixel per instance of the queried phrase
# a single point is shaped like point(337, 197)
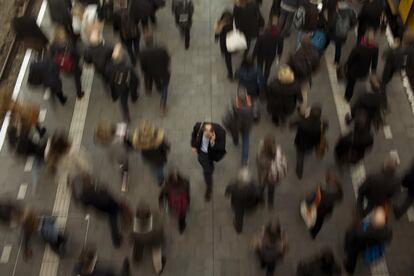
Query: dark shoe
point(63, 100)
point(230, 78)
point(207, 196)
point(348, 119)
point(181, 228)
point(81, 94)
point(42, 132)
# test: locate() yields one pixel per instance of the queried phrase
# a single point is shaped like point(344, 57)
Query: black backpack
point(129, 28)
point(121, 81)
point(35, 73)
point(183, 13)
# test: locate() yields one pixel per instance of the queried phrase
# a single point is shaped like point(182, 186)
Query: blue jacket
point(252, 79)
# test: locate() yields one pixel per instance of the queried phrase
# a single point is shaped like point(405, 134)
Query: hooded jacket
point(268, 43)
point(251, 78)
point(363, 57)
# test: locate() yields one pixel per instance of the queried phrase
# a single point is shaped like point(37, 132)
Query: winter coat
point(282, 97)
point(252, 79)
point(304, 62)
point(248, 19)
point(60, 12)
point(178, 7)
point(311, 17)
point(99, 56)
point(352, 147)
point(113, 71)
point(308, 134)
point(140, 9)
point(317, 266)
point(67, 47)
point(343, 11)
point(378, 188)
point(268, 44)
point(101, 200)
point(370, 14)
point(48, 73)
point(215, 152)
point(245, 197)
point(370, 103)
point(157, 156)
point(408, 180)
point(122, 20)
point(360, 60)
point(155, 61)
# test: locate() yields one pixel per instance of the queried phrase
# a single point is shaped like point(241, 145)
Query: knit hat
point(285, 75)
point(147, 136)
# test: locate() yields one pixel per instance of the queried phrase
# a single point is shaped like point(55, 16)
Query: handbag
point(235, 40)
point(309, 213)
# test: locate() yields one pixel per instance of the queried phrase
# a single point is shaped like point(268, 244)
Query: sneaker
point(207, 196)
point(81, 94)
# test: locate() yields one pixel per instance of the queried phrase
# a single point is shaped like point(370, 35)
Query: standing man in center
point(208, 140)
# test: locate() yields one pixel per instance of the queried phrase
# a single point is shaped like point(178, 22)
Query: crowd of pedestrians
point(79, 37)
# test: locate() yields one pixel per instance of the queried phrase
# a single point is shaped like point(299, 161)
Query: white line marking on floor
point(29, 164)
point(387, 132)
point(22, 191)
point(410, 214)
point(5, 255)
point(50, 262)
point(358, 171)
point(42, 115)
point(394, 154)
point(46, 95)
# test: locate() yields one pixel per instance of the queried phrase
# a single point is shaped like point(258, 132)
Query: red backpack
point(178, 201)
point(64, 61)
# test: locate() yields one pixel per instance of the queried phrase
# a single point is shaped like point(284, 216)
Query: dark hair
point(269, 146)
point(273, 231)
point(316, 111)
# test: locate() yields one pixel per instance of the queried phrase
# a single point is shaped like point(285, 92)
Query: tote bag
point(235, 40)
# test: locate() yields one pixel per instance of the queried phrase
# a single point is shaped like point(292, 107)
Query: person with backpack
point(175, 196)
point(60, 14)
point(362, 61)
point(365, 237)
point(245, 195)
point(221, 29)
point(64, 54)
point(309, 23)
point(342, 21)
point(155, 65)
point(270, 245)
point(283, 95)
point(239, 119)
point(123, 80)
point(154, 147)
point(327, 197)
point(369, 17)
point(271, 166)
point(183, 12)
point(268, 45)
point(128, 32)
point(304, 62)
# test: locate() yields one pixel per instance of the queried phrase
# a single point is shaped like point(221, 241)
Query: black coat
point(268, 43)
point(112, 71)
point(101, 200)
point(60, 12)
point(317, 266)
point(378, 188)
point(244, 197)
point(216, 152)
point(140, 9)
point(360, 60)
point(308, 134)
point(408, 180)
point(282, 98)
point(67, 47)
point(248, 19)
point(304, 62)
point(99, 56)
point(222, 37)
point(358, 239)
point(370, 15)
point(47, 72)
point(311, 17)
point(352, 147)
point(333, 19)
point(371, 104)
point(155, 61)
point(157, 156)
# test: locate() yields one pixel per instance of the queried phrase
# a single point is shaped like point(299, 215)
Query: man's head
point(391, 164)
point(379, 217)
point(208, 131)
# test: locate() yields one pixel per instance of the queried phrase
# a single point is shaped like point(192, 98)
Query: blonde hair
point(104, 132)
point(59, 35)
point(285, 74)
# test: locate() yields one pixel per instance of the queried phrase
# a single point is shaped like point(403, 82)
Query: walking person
point(288, 10)
point(61, 14)
point(245, 195)
point(378, 188)
point(283, 95)
point(239, 120)
point(372, 234)
point(248, 19)
point(64, 54)
point(221, 28)
point(270, 246)
point(310, 132)
point(208, 140)
point(183, 12)
point(271, 166)
point(98, 53)
point(407, 182)
point(322, 263)
point(155, 66)
point(369, 17)
point(310, 20)
point(175, 196)
point(362, 58)
point(154, 147)
point(269, 46)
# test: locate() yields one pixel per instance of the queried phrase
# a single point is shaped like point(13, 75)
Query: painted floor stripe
point(22, 191)
point(387, 132)
point(42, 115)
point(5, 254)
point(46, 95)
point(357, 172)
point(29, 164)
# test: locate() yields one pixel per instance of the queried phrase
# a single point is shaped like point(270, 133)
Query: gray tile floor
point(199, 91)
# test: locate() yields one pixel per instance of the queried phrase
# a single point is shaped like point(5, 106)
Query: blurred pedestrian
point(208, 140)
point(155, 66)
point(283, 95)
point(310, 21)
point(123, 80)
point(148, 232)
point(10, 212)
point(175, 196)
point(288, 10)
point(61, 15)
point(98, 53)
point(367, 235)
point(378, 188)
point(369, 17)
point(362, 57)
point(407, 182)
point(221, 28)
point(269, 46)
point(271, 166)
point(319, 264)
point(183, 12)
point(239, 120)
point(141, 11)
point(248, 19)
point(245, 195)
point(351, 147)
point(310, 132)
point(64, 54)
point(154, 147)
point(270, 246)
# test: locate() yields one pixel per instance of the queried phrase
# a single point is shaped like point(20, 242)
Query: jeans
point(132, 46)
point(158, 172)
point(185, 32)
point(208, 169)
point(245, 147)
